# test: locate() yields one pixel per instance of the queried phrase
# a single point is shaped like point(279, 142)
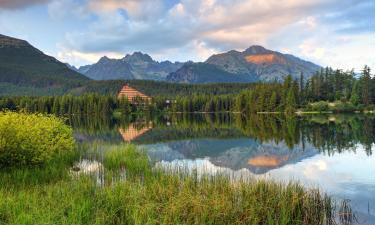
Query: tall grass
point(152, 196)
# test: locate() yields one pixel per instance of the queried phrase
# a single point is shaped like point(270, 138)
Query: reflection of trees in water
point(328, 133)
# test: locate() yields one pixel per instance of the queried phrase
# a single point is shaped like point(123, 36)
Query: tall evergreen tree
point(366, 86)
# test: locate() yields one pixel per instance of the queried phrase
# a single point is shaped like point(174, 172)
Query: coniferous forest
point(327, 90)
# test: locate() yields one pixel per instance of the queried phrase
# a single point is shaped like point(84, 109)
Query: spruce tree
point(355, 95)
point(290, 101)
point(366, 86)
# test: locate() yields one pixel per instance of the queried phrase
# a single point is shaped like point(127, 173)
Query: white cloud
point(76, 58)
point(194, 29)
point(311, 50)
point(60, 9)
point(135, 9)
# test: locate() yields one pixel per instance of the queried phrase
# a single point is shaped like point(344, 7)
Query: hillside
point(161, 88)
point(24, 67)
point(135, 66)
point(206, 73)
point(254, 64)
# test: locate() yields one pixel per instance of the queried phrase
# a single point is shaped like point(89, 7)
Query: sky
point(336, 33)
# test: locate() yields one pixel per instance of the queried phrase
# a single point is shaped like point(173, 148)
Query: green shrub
point(30, 139)
point(318, 106)
point(340, 106)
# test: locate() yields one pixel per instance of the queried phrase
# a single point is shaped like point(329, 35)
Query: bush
point(318, 106)
point(340, 106)
point(30, 139)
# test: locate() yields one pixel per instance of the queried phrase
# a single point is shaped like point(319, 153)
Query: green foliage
point(320, 106)
point(290, 101)
point(29, 139)
point(126, 157)
point(355, 95)
point(159, 197)
point(340, 106)
point(367, 87)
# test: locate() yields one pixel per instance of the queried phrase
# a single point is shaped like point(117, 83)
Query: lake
point(330, 152)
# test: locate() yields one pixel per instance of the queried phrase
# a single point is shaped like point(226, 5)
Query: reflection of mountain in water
point(233, 153)
point(262, 158)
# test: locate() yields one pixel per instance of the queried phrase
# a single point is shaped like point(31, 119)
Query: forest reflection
point(329, 134)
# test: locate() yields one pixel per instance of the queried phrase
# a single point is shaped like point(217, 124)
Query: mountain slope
point(27, 67)
point(255, 64)
point(206, 73)
point(136, 66)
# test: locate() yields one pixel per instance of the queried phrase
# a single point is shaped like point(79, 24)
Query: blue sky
point(337, 33)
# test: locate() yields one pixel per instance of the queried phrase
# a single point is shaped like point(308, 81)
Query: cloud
point(135, 9)
point(121, 25)
point(19, 4)
point(79, 58)
point(317, 30)
point(61, 9)
point(353, 17)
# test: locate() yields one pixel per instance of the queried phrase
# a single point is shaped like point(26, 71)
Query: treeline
point(87, 104)
point(160, 88)
point(196, 103)
point(171, 90)
point(328, 89)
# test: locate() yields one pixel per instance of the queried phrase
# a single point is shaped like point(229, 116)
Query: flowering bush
point(29, 139)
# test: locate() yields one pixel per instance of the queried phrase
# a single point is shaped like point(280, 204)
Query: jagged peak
point(256, 49)
point(104, 59)
point(233, 52)
point(138, 56)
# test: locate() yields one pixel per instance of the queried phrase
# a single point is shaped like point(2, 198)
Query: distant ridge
point(25, 67)
point(135, 66)
point(256, 63)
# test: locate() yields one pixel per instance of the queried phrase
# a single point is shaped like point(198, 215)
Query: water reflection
point(134, 130)
point(332, 152)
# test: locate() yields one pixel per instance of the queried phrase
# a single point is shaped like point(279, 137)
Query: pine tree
point(290, 101)
point(366, 86)
point(273, 101)
point(355, 95)
point(301, 89)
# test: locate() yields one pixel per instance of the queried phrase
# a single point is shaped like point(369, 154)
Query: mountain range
point(254, 64)
point(26, 70)
point(135, 66)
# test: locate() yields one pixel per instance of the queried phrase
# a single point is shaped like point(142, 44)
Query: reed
point(51, 195)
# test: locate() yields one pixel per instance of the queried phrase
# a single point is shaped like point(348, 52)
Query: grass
point(51, 195)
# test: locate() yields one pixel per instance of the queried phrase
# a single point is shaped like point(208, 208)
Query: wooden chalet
point(132, 94)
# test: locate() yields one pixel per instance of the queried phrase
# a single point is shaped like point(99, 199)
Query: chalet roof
point(131, 93)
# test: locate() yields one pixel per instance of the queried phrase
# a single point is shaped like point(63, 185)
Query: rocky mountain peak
point(138, 57)
point(104, 59)
point(256, 49)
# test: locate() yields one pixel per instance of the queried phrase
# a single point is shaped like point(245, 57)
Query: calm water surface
point(333, 153)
